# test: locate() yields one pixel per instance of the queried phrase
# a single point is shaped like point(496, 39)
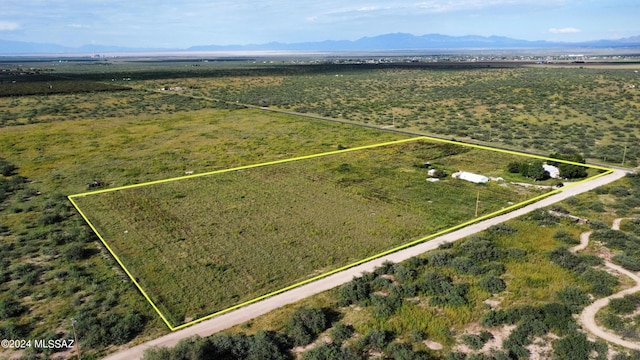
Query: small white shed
point(471, 177)
point(553, 171)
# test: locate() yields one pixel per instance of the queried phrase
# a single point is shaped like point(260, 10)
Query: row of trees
point(530, 169)
point(534, 168)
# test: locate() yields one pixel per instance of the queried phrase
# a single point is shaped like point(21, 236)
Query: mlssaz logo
point(54, 344)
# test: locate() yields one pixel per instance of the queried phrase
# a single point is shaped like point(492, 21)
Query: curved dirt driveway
point(588, 316)
point(244, 314)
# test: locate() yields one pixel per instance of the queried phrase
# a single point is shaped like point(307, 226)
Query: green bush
point(574, 297)
point(602, 283)
point(628, 262)
point(375, 340)
point(355, 291)
point(624, 305)
point(558, 317)
point(74, 252)
point(492, 284)
point(569, 171)
point(10, 307)
point(566, 237)
point(573, 347)
point(385, 306)
point(6, 168)
point(305, 324)
point(502, 229)
point(565, 258)
point(326, 351)
point(474, 341)
point(340, 333)
point(402, 351)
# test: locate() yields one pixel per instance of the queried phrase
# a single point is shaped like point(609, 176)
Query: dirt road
point(249, 312)
point(588, 316)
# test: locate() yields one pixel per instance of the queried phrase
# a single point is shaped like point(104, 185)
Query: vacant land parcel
point(203, 244)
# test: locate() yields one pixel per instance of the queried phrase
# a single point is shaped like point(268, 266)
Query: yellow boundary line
point(606, 171)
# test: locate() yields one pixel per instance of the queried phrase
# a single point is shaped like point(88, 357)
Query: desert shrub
point(111, 329)
point(10, 307)
point(474, 341)
point(375, 340)
point(480, 248)
point(602, 283)
point(126, 328)
point(566, 237)
point(613, 322)
point(403, 273)
point(624, 305)
point(380, 283)
point(341, 332)
point(74, 252)
point(305, 324)
point(261, 346)
point(501, 229)
point(628, 262)
point(543, 218)
point(385, 306)
point(456, 355)
point(325, 351)
point(619, 191)
point(572, 347)
point(495, 318)
point(598, 225)
point(11, 331)
point(558, 318)
point(402, 351)
point(516, 253)
point(574, 297)
point(492, 284)
point(386, 268)
point(268, 346)
point(564, 258)
point(355, 291)
point(465, 265)
point(514, 167)
point(6, 168)
point(415, 262)
point(440, 258)
point(596, 205)
point(493, 268)
point(615, 239)
point(635, 354)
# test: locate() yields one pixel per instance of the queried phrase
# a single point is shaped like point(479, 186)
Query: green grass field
point(200, 245)
point(55, 269)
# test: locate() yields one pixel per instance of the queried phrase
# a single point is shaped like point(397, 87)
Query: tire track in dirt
point(588, 316)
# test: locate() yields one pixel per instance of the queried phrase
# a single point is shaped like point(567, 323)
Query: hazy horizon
point(186, 23)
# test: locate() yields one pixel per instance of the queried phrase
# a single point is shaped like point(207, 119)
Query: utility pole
point(75, 336)
point(477, 203)
point(624, 155)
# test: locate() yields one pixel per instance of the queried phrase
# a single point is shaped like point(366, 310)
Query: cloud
point(567, 30)
point(9, 25)
point(334, 10)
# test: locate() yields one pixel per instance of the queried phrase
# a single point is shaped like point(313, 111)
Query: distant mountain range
point(396, 41)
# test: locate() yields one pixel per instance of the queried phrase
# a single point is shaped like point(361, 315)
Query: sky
point(185, 23)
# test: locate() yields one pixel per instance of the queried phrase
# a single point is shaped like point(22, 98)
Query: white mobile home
point(471, 177)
